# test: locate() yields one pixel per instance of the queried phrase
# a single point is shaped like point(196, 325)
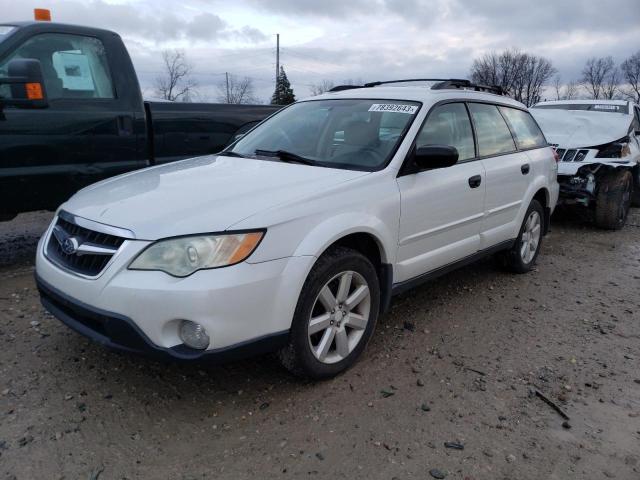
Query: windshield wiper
point(285, 156)
point(231, 153)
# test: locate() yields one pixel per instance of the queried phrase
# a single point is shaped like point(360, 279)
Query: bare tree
point(564, 92)
point(571, 90)
point(521, 75)
point(611, 85)
point(233, 89)
point(176, 82)
point(597, 76)
point(322, 87)
point(631, 76)
point(557, 87)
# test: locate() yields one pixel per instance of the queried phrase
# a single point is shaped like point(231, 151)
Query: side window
point(73, 66)
point(493, 134)
point(449, 125)
point(527, 132)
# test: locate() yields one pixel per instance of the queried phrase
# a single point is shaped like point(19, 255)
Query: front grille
point(580, 156)
point(568, 157)
point(87, 264)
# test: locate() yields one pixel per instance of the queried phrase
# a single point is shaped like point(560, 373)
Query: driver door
point(442, 209)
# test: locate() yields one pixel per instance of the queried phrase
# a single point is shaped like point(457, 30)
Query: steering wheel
point(366, 156)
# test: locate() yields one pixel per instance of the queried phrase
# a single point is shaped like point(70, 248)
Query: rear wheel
point(522, 256)
point(614, 199)
point(335, 315)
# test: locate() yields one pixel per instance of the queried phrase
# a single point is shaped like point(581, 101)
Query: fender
point(539, 183)
point(326, 233)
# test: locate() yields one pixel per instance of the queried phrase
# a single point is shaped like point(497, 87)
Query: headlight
point(183, 256)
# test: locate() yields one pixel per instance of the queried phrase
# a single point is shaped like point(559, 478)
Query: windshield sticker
point(394, 108)
point(606, 107)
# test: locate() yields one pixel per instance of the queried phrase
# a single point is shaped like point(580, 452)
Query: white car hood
point(580, 129)
point(204, 194)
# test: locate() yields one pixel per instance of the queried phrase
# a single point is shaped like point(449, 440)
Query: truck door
point(87, 133)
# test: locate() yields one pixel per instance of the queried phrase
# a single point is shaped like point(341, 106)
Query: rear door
point(507, 173)
point(441, 209)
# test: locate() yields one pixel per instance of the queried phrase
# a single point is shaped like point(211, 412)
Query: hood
point(199, 195)
point(580, 129)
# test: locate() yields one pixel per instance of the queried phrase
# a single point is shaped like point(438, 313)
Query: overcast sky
point(339, 40)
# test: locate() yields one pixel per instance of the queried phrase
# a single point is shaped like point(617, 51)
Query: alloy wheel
point(530, 237)
point(339, 317)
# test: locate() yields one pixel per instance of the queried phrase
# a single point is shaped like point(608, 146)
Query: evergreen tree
point(283, 95)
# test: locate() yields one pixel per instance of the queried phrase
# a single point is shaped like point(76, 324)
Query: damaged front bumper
point(577, 189)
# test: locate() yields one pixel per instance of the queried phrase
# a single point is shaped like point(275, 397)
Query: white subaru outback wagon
point(295, 238)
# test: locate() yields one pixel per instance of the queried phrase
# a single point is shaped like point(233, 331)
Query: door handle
point(525, 168)
point(125, 125)
point(475, 181)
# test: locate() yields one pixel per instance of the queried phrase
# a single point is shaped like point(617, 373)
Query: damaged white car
point(598, 145)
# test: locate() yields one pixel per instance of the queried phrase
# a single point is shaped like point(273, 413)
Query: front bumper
point(121, 333)
point(246, 308)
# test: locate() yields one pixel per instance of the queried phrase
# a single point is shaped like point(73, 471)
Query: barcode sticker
point(394, 108)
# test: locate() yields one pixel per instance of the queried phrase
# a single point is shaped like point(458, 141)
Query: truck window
point(73, 66)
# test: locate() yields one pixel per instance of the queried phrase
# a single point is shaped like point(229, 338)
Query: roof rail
point(339, 88)
point(460, 83)
point(442, 84)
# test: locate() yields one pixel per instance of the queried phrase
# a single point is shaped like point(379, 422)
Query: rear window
point(589, 107)
point(527, 132)
point(494, 137)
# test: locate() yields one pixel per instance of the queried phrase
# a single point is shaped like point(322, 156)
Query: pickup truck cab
point(296, 236)
point(89, 121)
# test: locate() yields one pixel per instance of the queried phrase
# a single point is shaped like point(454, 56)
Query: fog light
point(194, 335)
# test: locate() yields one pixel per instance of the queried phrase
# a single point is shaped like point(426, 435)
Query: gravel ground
point(457, 360)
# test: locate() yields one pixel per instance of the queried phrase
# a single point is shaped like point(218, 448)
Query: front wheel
point(522, 256)
point(614, 200)
point(335, 315)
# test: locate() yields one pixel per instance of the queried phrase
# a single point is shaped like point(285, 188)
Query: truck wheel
point(335, 315)
point(614, 199)
point(522, 256)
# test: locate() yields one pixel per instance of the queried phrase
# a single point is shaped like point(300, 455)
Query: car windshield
point(5, 30)
point(351, 134)
point(590, 107)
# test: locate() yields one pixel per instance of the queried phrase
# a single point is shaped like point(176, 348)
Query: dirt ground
point(457, 360)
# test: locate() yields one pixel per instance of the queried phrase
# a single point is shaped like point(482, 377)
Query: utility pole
point(227, 75)
point(277, 67)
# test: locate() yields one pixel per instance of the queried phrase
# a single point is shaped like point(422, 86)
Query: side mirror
point(429, 157)
point(27, 84)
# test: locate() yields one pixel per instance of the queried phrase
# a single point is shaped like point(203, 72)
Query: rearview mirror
point(27, 84)
point(428, 157)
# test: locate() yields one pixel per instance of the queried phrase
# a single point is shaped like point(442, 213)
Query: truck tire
point(614, 199)
point(335, 316)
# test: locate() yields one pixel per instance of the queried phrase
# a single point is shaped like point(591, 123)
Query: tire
point(635, 198)
point(304, 355)
point(614, 200)
point(523, 255)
